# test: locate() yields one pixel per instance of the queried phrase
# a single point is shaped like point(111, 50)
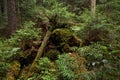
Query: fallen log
point(39, 53)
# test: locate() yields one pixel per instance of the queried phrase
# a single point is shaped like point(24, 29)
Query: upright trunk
point(93, 8)
point(18, 13)
point(12, 19)
point(2, 6)
point(5, 8)
point(3, 12)
point(0, 12)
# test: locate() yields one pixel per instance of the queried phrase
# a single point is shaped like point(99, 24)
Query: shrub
point(101, 61)
point(10, 48)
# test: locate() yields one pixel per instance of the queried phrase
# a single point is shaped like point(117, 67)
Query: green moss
point(14, 70)
point(52, 54)
point(64, 39)
point(15, 67)
point(61, 35)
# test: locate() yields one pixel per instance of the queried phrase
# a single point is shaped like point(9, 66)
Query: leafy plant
point(45, 70)
point(10, 48)
point(66, 67)
point(29, 10)
point(4, 54)
point(55, 12)
point(26, 33)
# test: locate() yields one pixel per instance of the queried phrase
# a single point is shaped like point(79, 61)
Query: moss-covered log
point(39, 53)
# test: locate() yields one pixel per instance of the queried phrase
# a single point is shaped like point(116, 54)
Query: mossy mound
point(15, 67)
point(52, 54)
point(61, 41)
point(13, 71)
point(61, 35)
point(65, 36)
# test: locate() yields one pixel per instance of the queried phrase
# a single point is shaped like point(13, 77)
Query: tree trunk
point(93, 8)
point(2, 6)
point(12, 19)
point(39, 54)
point(18, 13)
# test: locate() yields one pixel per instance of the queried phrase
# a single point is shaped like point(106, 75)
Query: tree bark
point(12, 18)
point(39, 53)
point(93, 8)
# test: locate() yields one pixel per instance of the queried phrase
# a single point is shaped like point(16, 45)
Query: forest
point(59, 39)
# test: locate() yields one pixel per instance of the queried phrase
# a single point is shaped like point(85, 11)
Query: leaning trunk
point(40, 52)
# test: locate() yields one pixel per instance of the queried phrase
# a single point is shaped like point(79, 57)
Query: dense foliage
point(80, 47)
